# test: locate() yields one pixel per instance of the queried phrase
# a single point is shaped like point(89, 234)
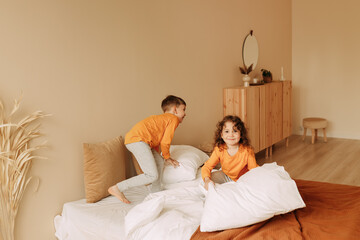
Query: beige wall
point(326, 62)
point(101, 66)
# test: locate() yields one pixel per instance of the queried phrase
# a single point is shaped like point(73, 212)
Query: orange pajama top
point(156, 130)
point(232, 166)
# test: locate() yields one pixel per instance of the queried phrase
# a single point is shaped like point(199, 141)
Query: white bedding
point(180, 215)
point(94, 221)
point(173, 214)
point(169, 214)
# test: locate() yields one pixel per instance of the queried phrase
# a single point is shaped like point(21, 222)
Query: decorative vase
point(267, 79)
point(246, 80)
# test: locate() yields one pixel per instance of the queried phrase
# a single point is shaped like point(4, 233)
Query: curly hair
point(238, 124)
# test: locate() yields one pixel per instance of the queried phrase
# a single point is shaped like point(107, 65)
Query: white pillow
point(193, 183)
point(190, 159)
point(258, 195)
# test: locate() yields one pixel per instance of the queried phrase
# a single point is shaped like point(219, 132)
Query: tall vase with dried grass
point(246, 70)
point(16, 154)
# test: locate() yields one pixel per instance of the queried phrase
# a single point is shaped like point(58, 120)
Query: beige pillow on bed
point(104, 166)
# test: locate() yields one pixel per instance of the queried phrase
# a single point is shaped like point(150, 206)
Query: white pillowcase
point(258, 195)
point(190, 159)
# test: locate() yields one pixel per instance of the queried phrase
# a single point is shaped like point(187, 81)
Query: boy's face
point(180, 112)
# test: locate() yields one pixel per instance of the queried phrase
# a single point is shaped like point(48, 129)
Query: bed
point(332, 211)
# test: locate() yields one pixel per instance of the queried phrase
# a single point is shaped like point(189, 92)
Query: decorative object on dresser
point(250, 54)
point(16, 155)
point(246, 71)
point(267, 75)
point(265, 110)
point(250, 50)
point(256, 81)
point(282, 78)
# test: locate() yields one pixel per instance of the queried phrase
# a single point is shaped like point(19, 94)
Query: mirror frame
point(250, 51)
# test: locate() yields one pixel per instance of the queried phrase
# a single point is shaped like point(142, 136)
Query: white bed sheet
point(180, 215)
point(95, 221)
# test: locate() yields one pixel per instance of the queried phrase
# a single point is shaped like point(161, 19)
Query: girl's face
point(230, 134)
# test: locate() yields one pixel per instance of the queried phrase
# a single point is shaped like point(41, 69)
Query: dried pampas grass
point(16, 155)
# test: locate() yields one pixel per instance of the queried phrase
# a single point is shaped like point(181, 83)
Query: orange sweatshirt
point(156, 130)
point(233, 166)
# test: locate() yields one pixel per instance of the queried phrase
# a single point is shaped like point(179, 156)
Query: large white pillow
point(258, 195)
point(190, 159)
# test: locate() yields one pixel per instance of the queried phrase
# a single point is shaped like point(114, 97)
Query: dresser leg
point(266, 153)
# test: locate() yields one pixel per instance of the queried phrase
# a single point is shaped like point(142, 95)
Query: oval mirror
point(250, 50)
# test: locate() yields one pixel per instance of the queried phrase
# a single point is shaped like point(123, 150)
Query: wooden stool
point(314, 124)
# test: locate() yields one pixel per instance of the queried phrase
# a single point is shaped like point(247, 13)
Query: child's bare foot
point(119, 195)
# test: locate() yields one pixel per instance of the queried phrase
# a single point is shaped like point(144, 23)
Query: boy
point(144, 140)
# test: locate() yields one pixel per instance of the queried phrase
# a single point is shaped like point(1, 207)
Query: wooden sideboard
point(265, 110)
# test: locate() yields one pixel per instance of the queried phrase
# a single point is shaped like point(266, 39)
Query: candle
point(282, 74)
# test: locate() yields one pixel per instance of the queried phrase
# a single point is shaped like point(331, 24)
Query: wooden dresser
point(265, 110)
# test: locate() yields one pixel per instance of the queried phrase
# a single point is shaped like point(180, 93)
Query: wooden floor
point(337, 161)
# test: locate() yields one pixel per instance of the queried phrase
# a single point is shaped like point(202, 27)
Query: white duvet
point(174, 213)
point(170, 214)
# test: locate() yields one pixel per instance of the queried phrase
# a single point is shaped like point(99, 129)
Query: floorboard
point(337, 161)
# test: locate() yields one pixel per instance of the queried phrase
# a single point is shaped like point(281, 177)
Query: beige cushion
point(104, 166)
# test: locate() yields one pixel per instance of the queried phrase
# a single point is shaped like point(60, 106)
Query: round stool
point(314, 124)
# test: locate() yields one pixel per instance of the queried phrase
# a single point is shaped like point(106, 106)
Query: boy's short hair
point(170, 101)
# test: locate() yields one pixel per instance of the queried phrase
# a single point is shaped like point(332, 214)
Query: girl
point(232, 149)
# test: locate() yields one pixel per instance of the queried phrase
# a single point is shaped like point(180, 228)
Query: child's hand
point(207, 180)
point(173, 162)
